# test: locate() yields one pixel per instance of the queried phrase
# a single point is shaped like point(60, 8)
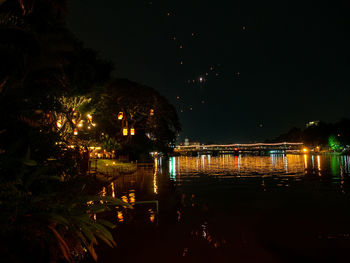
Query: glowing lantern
point(120, 115)
point(151, 112)
point(132, 131)
point(125, 131)
point(75, 132)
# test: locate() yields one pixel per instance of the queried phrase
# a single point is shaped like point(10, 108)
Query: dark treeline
point(321, 134)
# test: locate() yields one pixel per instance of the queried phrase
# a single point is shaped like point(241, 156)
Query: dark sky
point(277, 63)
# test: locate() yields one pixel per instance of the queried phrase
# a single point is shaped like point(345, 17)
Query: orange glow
point(132, 198)
point(120, 216)
point(132, 131)
point(59, 124)
point(125, 131)
point(124, 199)
point(151, 112)
point(305, 150)
point(151, 215)
point(120, 115)
point(75, 132)
point(113, 191)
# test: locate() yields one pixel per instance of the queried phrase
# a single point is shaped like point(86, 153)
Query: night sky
point(237, 71)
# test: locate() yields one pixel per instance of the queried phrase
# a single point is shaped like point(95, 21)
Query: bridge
point(256, 148)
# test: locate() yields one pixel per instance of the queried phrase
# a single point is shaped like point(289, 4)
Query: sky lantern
point(132, 131)
point(75, 132)
point(125, 131)
point(120, 115)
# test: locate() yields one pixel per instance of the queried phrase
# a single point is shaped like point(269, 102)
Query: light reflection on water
point(229, 202)
point(256, 166)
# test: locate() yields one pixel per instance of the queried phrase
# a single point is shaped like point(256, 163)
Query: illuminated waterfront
point(277, 208)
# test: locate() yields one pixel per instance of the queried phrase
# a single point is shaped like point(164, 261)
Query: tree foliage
point(155, 121)
point(336, 135)
point(45, 211)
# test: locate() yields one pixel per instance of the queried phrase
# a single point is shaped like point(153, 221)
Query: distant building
point(188, 143)
point(312, 123)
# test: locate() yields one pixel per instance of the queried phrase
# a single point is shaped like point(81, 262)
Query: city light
point(120, 115)
point(132, 131)
point(75, 132)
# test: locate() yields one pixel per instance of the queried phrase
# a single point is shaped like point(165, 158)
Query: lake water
point(277, 208)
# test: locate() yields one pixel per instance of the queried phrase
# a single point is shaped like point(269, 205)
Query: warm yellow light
point(132, 131)
point(305, 150)
point(151, 112)
point(75, 132)
point(89, 116)
point(80, 124)
point(59, 124)
point(120, 115)
point(125, 131)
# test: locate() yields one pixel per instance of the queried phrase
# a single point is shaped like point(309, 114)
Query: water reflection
point(232, 202)
point(275, 164)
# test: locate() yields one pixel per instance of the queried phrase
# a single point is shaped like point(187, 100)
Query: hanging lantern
point(151, 112)
point(120, 115)
point(132, 131)
point(125, 131)
point(75, 132)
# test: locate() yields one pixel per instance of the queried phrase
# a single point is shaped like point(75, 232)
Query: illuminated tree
point(334, 143)
point(155, 121)
point(43, 70)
